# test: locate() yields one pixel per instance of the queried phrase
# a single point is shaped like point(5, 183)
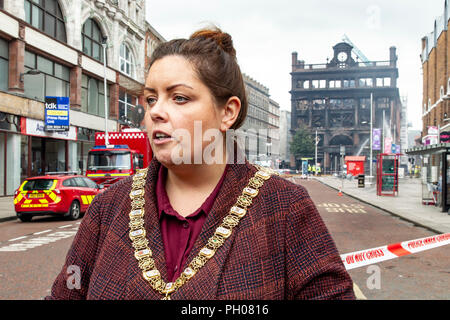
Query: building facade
point(334, 98)
point(261, 127)
point(285, 138)
point(436, 77)
point(54, 48)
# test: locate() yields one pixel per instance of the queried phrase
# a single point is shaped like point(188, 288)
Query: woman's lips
point(159, 141)
point(160, 137)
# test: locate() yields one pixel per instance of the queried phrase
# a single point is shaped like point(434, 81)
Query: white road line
point(23, 237)
point(66, 226)
point(36, 233)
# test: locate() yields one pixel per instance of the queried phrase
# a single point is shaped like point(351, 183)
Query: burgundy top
point(179, 233)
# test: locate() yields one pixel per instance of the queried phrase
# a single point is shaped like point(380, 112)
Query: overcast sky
point(265, 33)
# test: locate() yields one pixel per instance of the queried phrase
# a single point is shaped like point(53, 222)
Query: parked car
point(67, 195)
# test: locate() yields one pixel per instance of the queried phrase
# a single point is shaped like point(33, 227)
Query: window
point(334, 84)
point(322, 83)
point(335, 102)
point(384, 82)
point(306, 84)
point(366, 82)
point(69, 183)
point(46, 15)
point(92, 40)
point(302, 104)
point(4, 65)
point(349, 83)
point(1, 4)
point(93, 96)
point(364, 103)
point(90, 183)
point(127, 103)
point(314, 84)
point(126, 60)
point(80, 182)
point(53, 81)
point(383, 103)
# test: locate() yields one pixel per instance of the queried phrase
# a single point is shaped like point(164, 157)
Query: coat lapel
point(139, 287)
point(204, 284)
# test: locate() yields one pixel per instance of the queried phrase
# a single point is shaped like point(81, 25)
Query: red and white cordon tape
point(370, 256)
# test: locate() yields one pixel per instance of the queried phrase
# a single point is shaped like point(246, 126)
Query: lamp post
point(317, 142)
point(371, 133)
point(104, 43)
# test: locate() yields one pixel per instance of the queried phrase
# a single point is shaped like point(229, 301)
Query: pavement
point(406, 205)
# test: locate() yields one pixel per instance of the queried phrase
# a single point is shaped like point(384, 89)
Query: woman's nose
point(157, 111)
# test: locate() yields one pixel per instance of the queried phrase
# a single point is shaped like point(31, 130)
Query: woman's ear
point(230, 113)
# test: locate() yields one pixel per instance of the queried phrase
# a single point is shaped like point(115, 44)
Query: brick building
point(436, 76)
point(54, 48)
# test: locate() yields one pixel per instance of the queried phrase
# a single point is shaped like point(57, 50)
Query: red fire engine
point(126, 152)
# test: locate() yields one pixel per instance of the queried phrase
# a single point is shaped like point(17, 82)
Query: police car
point(57, 193)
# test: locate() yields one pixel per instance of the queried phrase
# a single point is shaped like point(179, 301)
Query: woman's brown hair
point(213, 56)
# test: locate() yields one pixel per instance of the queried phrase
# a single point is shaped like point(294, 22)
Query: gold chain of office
point(143, 254)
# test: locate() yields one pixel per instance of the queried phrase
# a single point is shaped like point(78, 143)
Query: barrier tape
point(370, 256)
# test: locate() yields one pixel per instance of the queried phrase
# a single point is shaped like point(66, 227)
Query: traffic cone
point(340, 193)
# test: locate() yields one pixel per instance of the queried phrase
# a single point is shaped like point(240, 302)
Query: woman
point(197, 224)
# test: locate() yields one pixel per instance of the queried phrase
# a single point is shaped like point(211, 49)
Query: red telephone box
point(355, 165)
point(387, 174)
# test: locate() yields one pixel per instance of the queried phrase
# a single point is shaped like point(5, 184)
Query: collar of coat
point(204, 284)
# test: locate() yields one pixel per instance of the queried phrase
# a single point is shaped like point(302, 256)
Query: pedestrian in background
point(225, 230)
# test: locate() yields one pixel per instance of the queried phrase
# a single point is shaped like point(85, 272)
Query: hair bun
point(222, 39)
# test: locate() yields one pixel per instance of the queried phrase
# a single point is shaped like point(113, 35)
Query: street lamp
point(31, 72)
point(104, 43)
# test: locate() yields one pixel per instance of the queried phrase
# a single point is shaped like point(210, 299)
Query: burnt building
point(334, 98)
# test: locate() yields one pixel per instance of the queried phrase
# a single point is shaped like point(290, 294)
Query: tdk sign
point(57, 113)
point(51, 106)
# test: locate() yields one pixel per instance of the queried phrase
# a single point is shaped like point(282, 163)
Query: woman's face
point(178, 104)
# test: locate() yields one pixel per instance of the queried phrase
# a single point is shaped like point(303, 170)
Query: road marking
point(344, 208)
point(66, 226)
point(41, 232)
point(358, 293)
point(23, 237)
point(31, 243)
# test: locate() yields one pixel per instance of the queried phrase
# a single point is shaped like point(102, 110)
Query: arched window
point(92, 40)
point(126, 60)
point(46, 15)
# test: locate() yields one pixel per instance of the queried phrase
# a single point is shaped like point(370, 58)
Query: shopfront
point(43, 151)
point(434, 173)
point(9, 151)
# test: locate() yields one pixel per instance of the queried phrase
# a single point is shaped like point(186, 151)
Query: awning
point(429, 149)
point(355, 158)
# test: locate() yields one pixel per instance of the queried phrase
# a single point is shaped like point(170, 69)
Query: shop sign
point(33, 127)
point(445, 137)
point(57, 113)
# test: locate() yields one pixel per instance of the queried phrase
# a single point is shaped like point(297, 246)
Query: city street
point(31, 254)
point(356, 226)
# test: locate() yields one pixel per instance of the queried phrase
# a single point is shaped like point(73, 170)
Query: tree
point(302, 144)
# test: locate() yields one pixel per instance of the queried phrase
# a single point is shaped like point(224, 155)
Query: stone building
point(334, 98)
point(261, 127)
point(54, 48)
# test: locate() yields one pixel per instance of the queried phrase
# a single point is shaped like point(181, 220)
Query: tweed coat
point(281, 248)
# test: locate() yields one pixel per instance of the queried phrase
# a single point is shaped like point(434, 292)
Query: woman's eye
point(180, 99)
point(151, 100)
